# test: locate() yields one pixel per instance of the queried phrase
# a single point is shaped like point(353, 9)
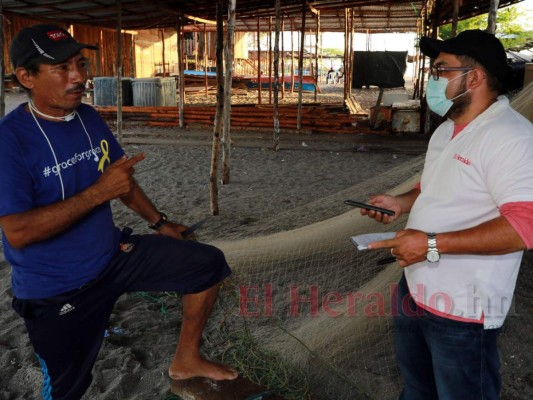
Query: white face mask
point(436, 95)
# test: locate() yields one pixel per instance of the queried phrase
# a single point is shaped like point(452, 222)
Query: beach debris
point(115, 331)
point(305, 144)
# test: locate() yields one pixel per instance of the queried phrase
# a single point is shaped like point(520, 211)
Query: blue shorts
point(67, 331)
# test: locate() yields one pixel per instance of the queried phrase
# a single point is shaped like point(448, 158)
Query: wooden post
point(229, 55)
point(215, 151)
point(493, 12)
point(164, 69)
point(345, 93)
point(292, 56)
point(2, 66)
point(349, 75)
point(119, 71)
point(276, 76)
point(316, 53)
point(205, 61)
point(269, 60)
point(301, 67)
point(455, 17)
point(282, 58)
point(181, 73)
point(259, 94)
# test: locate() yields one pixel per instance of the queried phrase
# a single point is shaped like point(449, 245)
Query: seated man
point(60, 167)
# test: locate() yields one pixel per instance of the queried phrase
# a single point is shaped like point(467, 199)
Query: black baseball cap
point(46, 44)
point(482, 46)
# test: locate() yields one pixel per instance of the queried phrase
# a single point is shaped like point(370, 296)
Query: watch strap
point(162, 221)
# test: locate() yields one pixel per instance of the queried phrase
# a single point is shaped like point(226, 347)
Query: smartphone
point(368, 207)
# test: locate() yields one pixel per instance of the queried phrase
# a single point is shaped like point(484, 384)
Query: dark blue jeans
point(443, 359)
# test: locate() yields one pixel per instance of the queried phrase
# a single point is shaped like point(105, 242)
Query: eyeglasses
point(436, 71)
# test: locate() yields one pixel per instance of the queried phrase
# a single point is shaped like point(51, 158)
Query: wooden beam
point(198, 19)
point(181, 73)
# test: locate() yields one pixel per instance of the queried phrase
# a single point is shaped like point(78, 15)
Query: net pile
point(306, 302)
point(523, 102)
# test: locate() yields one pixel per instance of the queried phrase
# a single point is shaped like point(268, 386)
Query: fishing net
point(308, 302)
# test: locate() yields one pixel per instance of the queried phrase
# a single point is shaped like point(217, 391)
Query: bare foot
point(201, 367)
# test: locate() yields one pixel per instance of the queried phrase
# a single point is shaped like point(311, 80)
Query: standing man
point(471, 217)
point(59, 168)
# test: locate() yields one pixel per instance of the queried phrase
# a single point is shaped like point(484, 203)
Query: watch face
point(432, 256)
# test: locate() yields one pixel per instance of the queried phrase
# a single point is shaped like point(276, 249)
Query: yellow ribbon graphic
point(105, 156)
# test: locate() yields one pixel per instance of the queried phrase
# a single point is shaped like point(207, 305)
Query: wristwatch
point(162, 221)
point(432, 254)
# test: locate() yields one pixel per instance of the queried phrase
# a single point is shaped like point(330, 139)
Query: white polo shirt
point(465, 181)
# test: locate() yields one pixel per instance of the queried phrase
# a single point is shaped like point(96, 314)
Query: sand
point(133, 361)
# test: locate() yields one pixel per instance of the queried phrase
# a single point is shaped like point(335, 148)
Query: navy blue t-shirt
point(30, 178)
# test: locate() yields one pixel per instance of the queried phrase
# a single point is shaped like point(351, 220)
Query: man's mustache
point(76, 88)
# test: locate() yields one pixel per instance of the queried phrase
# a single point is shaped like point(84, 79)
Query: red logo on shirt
point(464, 160)
point(56, 35)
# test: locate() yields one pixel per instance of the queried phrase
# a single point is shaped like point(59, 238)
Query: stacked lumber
point(315, 117)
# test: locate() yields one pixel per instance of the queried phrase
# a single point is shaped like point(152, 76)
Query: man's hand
point(383, 201)
point(117, 180)
point(409, 246)
point(172, 229)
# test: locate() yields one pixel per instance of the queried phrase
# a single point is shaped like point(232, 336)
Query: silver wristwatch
point(432, 254)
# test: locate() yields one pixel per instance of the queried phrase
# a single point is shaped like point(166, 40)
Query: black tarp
point(379, 68)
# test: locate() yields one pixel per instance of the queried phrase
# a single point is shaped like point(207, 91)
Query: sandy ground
point(133, 362)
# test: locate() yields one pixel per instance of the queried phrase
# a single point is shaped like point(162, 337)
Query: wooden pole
point(349, 75)
point(181, 74)
point(345, 93)
point(205, 61)
point(493, 12)
point(455, 17)
point(276, 76)
point(164, 68)
point(269, 60)
point(217, 127)
point(2, 66)
point(292, 56)
point(119, 71)
point(282, 58)
point(259, 93)
point(229, 55)
point(316, 53)
point(301, 67)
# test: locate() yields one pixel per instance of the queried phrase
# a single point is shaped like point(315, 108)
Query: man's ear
point(477, 76)
point(24, 77)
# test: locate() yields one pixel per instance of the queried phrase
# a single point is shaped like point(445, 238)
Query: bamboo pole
point(229, 55)
point(300, 67)
point(217, 126)
point(493, 12)
point(181, 74)
point(119, 71)
point(259, 93)
point(276, 76)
